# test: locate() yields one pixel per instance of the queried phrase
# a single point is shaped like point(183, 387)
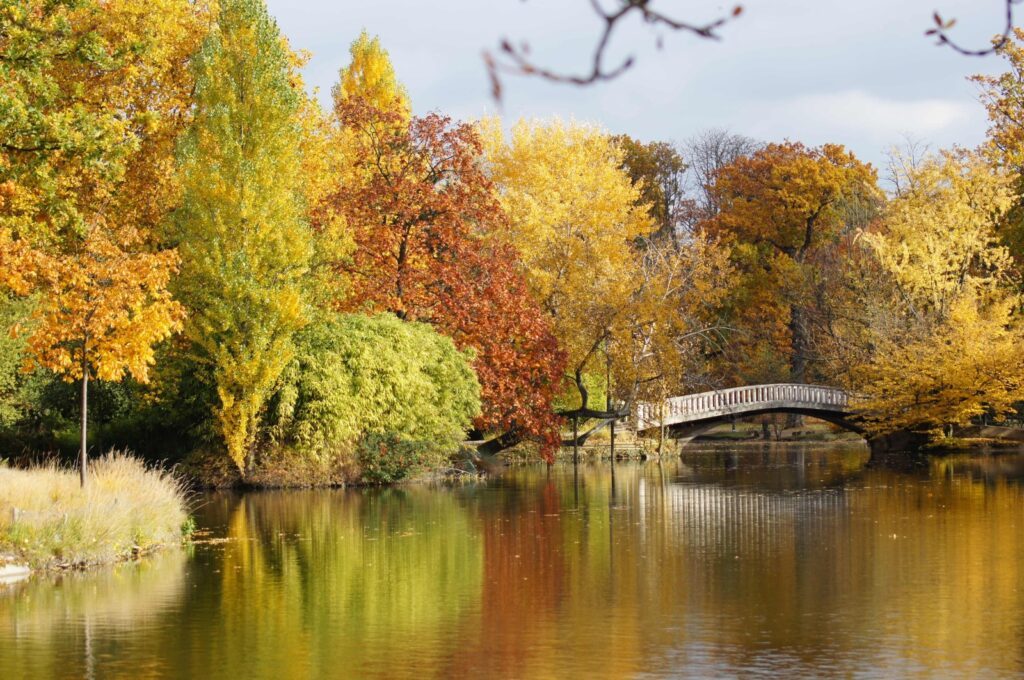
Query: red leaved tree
point(421, 211)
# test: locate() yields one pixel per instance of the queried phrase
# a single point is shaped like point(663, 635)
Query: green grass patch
point(48, 520)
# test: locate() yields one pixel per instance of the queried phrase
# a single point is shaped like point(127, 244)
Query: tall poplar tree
point(244, 240)
point(370, 77)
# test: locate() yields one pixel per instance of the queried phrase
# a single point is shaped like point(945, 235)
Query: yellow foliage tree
point(1003, 97)
point(328, 148)
point(672, 316)
point(371, 78)
point(322, 168)
point(968, 366)
point(94, 95)
point(574, 218)
point(945, 343)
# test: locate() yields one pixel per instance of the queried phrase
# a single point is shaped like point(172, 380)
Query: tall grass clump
point(48, 519)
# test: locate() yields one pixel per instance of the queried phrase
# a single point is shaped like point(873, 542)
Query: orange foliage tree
point(107, 305)
point(421, 211)
point(784, 209)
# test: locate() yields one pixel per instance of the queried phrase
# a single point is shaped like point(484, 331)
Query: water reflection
point(68, 625)
point(747, 561)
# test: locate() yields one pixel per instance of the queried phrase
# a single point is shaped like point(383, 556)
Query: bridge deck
point(737, 401)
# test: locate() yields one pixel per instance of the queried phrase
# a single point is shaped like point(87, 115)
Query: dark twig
point(516, 60)
point(942, 27)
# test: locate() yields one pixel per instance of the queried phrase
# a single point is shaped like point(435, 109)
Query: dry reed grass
point(47, 519)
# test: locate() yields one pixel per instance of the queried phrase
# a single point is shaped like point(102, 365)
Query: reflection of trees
point(54, 624)
point(776, 467)
point(524, 581)
point(315, 582)
point(549, 604)
point(925, 573)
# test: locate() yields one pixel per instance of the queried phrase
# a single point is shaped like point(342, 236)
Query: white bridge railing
point(737, 400)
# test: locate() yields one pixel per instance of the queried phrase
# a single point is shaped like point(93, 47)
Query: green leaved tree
point(244, 241)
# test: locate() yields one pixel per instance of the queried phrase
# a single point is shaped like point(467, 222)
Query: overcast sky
point(855, 72)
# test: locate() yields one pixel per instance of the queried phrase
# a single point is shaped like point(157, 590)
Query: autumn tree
point(105, 308)
point(1003, 97)
point(705, 153)
point(944, 343)
point(93, 96)
point(244, 239)
point(370, 77)
point(658, 170)
point(782, 210)
point(575, 218)
point(424, 217)
point(672, 321)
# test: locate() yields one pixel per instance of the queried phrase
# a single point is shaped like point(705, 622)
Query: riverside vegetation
point(47, 519)
point(200, 263)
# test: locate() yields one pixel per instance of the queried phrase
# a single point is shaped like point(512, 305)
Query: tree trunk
point(83, 453)
point(799, 345)
point(608, 394)
point(584, 395)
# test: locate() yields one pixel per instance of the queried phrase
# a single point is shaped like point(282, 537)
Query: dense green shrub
point(391, 389)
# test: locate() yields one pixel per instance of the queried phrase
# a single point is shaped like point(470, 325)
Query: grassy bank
point(48, 520)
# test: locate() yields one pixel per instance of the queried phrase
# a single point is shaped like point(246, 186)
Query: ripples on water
point(771, 562)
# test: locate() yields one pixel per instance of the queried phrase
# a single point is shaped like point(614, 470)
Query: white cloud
point(862, 116)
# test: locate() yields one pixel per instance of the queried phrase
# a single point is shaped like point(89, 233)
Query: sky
point(854, 72)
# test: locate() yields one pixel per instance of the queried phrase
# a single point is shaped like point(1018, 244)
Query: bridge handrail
point(724, 400)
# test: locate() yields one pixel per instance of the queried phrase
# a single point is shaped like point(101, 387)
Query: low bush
point(48, 519)
point(378, 385)
point(384, 459)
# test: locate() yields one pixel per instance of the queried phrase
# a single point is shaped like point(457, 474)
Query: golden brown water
point(752, 562)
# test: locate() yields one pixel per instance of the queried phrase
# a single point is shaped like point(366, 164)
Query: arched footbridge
point(689, 415)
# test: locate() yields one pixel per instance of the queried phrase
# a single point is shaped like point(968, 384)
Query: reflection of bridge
point(693, 413)
point(710, 517)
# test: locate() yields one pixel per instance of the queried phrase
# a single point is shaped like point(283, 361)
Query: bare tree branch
point(516, 60)
point(942, 26)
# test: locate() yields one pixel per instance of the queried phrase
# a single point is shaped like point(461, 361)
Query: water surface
point(746, 562)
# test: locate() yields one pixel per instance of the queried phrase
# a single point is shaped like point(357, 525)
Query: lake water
point(742, 562)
